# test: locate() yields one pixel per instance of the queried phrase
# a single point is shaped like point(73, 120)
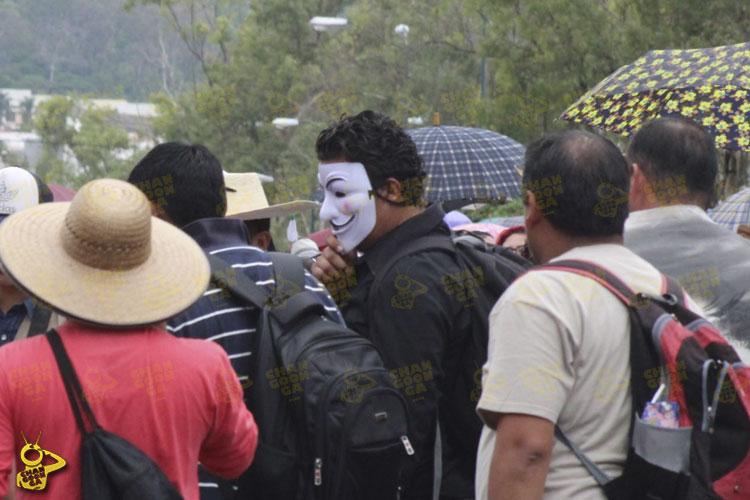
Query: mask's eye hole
point(339, 194)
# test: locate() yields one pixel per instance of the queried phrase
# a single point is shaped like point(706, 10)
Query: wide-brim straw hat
point(246, 199)
point(103, 258)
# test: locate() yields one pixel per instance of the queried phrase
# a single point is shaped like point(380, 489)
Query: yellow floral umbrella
point(709, 85)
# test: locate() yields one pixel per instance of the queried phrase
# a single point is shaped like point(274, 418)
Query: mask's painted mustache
point(339, 226)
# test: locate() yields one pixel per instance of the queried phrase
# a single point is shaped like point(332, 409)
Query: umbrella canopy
point(505, 221)
point(61, 193)
point(493, 230)
point(708, 85)
point(465, 163)
point(734, 211)
point(320, 237)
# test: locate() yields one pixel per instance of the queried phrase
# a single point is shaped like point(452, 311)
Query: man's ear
point(532, 213)
point(158, 212)
point(637, 179)
point(638, 187)
point(391, 190)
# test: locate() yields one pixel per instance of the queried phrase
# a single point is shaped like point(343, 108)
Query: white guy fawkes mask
point(348, 205)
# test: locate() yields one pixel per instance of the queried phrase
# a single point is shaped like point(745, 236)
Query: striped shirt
point(224, 320)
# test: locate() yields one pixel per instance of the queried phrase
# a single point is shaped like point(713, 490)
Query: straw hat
point(102, 258)
point(246, 199)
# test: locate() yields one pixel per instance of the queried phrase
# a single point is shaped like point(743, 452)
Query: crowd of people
point(491, 355)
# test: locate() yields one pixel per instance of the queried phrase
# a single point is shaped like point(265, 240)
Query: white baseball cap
point(20, 189)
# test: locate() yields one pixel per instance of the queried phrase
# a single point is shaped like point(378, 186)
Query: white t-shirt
point(559, 349)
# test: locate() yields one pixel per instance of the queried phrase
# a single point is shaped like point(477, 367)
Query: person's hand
point(332, 262)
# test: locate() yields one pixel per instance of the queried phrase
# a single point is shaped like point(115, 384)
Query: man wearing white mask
point(372, 176)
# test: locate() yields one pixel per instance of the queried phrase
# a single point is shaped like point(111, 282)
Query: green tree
point(100, 146)
point(53, 123)
point(547, 53)
point(4, 107)
point(80, 142)
point(27, 112)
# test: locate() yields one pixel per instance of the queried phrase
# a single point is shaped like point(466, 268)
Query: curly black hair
point(375, 141)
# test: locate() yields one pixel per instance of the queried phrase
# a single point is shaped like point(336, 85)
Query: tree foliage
point(80, 142)
point(223, 70)
point(90, 46)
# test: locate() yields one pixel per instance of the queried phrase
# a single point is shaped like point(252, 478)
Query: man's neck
point(9, 297)
point(394, 219)
point(647, 203)
point(554, 247)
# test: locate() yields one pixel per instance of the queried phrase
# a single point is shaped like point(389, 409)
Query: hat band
point(119, 256)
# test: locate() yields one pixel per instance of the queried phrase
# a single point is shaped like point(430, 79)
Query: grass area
point(508, 209)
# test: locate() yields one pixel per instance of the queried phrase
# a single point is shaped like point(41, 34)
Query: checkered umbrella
point(471, 164)
point(734, 211)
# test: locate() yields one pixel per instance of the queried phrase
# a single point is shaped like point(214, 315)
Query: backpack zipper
point(323, 409)
point(407, 445)
point(350, 415)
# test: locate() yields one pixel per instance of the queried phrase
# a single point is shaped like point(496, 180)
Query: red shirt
point(178, 400)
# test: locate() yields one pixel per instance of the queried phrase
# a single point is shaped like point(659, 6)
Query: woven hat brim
point(173, 277)
point(280, 210)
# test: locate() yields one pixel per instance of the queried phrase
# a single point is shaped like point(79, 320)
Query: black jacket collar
point(429, 221)
point(217, 232)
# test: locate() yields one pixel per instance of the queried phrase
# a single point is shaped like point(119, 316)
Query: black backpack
point(331, 424)
point(487, 270)
point(112, 468)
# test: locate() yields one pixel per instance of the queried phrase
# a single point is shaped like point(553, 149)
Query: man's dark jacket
point(420, 325)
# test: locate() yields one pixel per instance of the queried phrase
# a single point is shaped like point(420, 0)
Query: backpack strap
point(642, 313)
point(601, 477)
point(39, 320)
point(244, 288)
point(71, 382)
point(430, 242)
point(289, 266)
point(598, 274)
point(437, 464)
